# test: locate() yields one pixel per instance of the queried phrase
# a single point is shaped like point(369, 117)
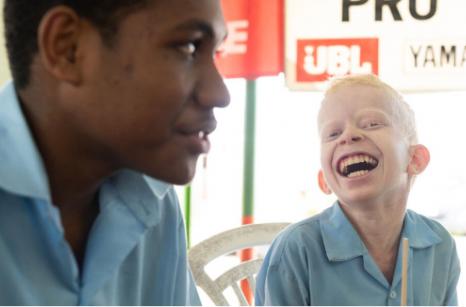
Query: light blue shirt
point(322, 261)
point(136, 252)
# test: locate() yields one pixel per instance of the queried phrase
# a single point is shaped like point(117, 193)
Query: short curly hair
point(22, 19)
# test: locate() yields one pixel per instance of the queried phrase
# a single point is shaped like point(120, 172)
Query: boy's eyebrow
point(204, 27)
point(372, 111)
point(322, 126)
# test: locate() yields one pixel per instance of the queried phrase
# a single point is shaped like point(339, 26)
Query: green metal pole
point(249, 152)
point(248, 173)
point(187, 213)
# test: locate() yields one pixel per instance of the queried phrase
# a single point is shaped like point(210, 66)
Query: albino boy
point(350, 254)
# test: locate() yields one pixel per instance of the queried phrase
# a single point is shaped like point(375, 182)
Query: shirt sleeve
point(451, 297)
point(283, 278)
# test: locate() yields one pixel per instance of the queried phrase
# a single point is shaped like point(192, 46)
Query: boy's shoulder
point(309, 226)
point(304, 235)
point(424, 224)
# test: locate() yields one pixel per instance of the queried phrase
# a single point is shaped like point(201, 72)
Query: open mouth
point(356, 165)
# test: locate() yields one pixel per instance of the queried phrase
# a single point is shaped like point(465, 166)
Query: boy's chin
point(357, 197)
point(180, 173)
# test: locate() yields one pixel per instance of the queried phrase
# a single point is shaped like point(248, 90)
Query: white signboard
point(414, 45)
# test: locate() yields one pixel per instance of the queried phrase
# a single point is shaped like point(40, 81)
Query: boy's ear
point(58, 40)
point(323, 183)
point(419, 159)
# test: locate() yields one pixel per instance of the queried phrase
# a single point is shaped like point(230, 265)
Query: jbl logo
point(319, 59)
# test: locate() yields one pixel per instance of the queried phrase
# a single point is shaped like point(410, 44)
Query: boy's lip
point(205, 127)
point(196, 135)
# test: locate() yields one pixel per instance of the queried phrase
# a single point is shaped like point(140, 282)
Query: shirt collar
point(159, 188)
point(22, 168)
point(342, 242)
point(142, 194)
point(419, 233)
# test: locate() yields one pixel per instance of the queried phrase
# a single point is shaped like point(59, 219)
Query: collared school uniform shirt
point(136, 251)
point(322, 261)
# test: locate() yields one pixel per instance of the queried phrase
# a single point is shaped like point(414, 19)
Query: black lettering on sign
point(392, 5)
point(346, 6)
point(463, 61)
point(429, 56)
point(415, 54)
point(415, 14)
point(442, 56)
point(446, 56)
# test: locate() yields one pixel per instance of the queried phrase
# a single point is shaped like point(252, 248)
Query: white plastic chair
point(225, 243)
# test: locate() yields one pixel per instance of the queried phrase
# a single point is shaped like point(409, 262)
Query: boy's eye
point(332, 135)
point(373, 124)
point(189, 48)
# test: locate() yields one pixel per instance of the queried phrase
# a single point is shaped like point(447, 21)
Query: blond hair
point(401, 111)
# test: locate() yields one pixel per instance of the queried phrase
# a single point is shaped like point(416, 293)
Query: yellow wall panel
point(4, 70)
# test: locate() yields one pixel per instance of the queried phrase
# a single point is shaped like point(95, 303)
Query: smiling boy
point(349, 254)
point(110, 102)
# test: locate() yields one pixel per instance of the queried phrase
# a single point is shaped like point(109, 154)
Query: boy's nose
point(351, 136)
point(212, 91)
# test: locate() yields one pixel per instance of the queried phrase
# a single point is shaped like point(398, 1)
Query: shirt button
point(392, 294)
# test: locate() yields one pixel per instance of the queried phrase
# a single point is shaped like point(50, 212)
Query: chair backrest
point(225, 243)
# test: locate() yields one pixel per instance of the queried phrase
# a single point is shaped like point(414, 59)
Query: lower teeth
point(358, 173)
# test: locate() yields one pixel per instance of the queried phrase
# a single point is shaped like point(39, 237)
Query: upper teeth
point(201, 134)
point(353, 160)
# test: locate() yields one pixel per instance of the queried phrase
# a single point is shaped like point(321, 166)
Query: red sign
point(319, 59)
point(254, 46)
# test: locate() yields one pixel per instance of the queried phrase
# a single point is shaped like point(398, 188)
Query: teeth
point(356, 159)
point(201, 134)
point(358, 173)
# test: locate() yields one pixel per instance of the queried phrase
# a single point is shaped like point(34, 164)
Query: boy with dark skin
point(125, 92)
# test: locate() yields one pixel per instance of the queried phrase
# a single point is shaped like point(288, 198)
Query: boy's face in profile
point(150, 98)
point(364, 156)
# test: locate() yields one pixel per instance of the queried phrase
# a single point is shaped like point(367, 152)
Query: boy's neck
point(380, 230)
point(379, 222)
